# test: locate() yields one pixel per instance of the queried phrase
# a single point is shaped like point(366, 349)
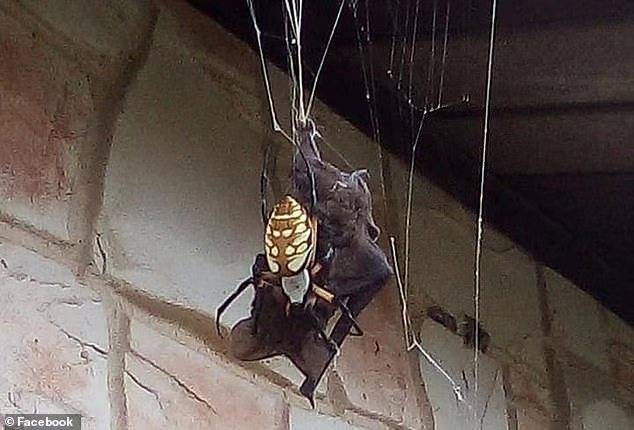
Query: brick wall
point(131, 135)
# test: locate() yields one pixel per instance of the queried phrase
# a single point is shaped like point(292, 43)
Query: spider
point(320, 255)
point(289, 263)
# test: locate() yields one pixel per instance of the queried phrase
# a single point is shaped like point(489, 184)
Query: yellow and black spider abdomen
point(290, 238)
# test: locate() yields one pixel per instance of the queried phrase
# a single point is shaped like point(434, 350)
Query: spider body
point(290, 247)
point(288, 265)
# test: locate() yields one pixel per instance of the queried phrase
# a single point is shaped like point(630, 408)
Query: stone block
point(441, 270)
point(509, 305)
point(606, 415)
point(54, 340)
point(576, 320)
point(170, 385)
point(374, 372)
point(441, 263)
point(596, 400)
point(301, 419)
point(181, 214)
point(44, 114)
point(529, 390)
point(532, 420)
point(621, 358)
point(485, 406)
point(108, 29)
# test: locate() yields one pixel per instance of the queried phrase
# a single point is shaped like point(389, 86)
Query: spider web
point(404, 37)
point(406, 30)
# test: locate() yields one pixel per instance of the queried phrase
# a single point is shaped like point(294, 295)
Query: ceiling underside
point(561, 157)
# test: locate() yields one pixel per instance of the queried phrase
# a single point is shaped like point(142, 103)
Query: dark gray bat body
point(342, 203)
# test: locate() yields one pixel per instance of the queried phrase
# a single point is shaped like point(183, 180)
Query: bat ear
point(361, 175)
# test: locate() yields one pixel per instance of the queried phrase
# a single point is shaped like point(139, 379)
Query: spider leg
point(311, 179)
point(346, 313)
point(264, 184)
point(314, 319)
point(258, 305)
point(257, 309)
point(341, 304)
point(243, 286)
point(304, 169)
point(356, 303)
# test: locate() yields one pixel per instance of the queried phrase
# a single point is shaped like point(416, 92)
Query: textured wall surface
point(131, 137)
